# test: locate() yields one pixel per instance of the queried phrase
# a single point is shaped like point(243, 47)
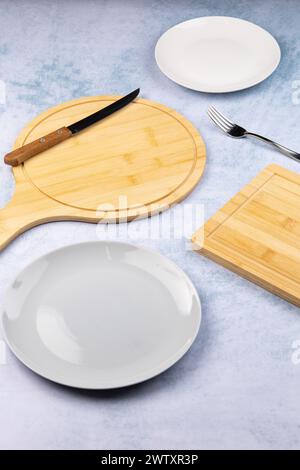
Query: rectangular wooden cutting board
point(257, 233)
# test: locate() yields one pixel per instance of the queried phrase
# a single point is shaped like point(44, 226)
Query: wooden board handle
point(27, 208)
point(14, 219)
point(20, 155)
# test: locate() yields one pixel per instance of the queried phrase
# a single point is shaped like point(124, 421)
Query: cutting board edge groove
point(201, 238)
point(175, 195)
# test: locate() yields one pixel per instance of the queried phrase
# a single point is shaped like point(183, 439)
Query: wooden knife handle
point(20, 155)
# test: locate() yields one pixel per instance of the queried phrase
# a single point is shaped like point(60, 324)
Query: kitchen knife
point(20, 155)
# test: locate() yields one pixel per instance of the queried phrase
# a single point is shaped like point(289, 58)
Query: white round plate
point(101, 315)
point(217, 54)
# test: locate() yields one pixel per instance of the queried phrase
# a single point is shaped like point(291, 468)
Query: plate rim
point(225, 89)
point(134, 379)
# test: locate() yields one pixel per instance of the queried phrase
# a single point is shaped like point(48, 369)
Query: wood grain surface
point(257, 233)
point(135, 163)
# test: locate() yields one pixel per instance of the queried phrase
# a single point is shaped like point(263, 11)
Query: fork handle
point(281, 148)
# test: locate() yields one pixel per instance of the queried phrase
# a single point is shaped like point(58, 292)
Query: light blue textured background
point(237, 387)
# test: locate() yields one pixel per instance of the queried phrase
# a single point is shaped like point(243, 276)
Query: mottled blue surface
point(237, 387)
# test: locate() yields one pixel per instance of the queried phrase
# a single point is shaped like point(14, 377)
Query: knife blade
point(20, 155)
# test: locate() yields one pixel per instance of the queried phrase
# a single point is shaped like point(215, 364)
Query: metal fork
point(234, 130)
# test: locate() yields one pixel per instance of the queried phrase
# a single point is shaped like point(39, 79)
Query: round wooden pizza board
point(135, 163)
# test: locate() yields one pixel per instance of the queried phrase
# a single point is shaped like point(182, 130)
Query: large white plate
point(217, 54)
point(101, 315)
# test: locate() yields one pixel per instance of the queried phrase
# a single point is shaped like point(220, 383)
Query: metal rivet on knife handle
point(20, 155)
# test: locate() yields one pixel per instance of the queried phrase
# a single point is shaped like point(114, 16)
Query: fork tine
point(220, 119)
point(221, 116)
point(218, 123)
